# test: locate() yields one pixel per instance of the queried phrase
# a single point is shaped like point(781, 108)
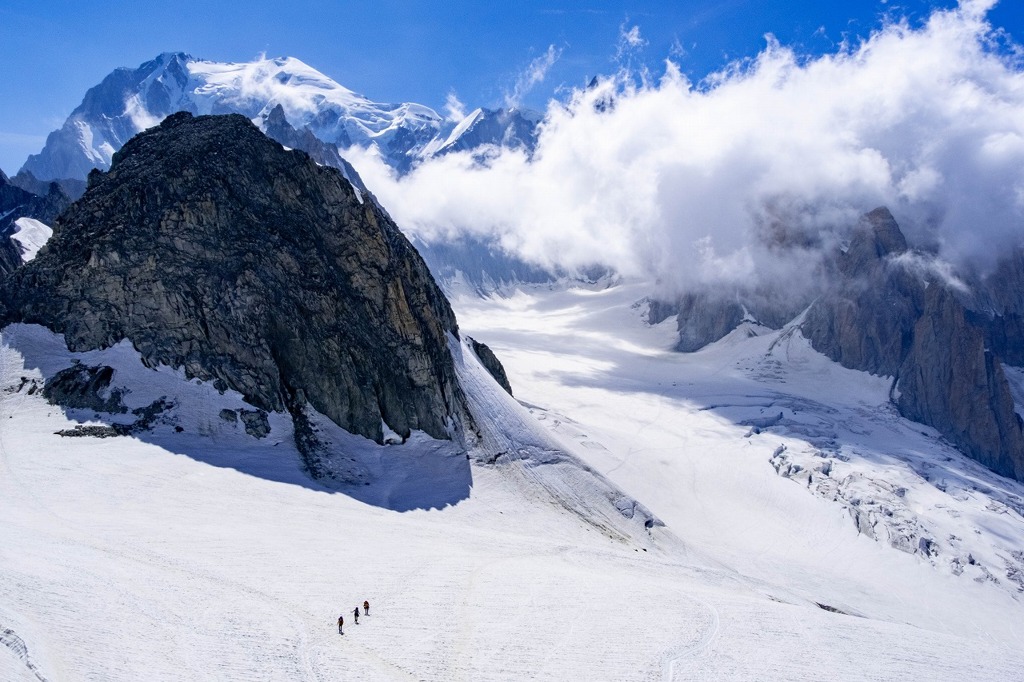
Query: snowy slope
point(769, 457)
point(197, 551)
point(29, 236)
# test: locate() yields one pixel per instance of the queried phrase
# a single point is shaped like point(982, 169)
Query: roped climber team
point(355, 614)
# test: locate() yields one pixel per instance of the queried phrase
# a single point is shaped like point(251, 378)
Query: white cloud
point(691, 184)
point(454, 109)
point(534, 73)
point(630, 40)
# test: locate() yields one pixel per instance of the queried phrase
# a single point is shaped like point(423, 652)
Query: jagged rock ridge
point(212, 248)
point(886, 319)
point(945, 346)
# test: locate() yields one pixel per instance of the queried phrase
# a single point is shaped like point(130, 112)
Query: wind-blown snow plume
point(454, 108)
point(703, 183)
point(534, 73)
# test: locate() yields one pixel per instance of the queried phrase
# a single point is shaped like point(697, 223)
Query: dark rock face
point(944, 347)
point(704, 319)
point(491, 363)
point(277, 128)
point(866, 319)
point(483, 266)
point(255, 422)
point(705, 316)
point(213, 249)
point(84, 387)
point(30, 183)
point(510, 128)
point(882, 318)
point(952, 381)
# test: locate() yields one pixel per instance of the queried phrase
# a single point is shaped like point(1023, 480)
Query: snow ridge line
point(10, 639)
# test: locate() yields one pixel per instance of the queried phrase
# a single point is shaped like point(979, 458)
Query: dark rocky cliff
point(865, 319)
point(885, 318)
point(951, 380)
point(212, 248)
point(944, 346)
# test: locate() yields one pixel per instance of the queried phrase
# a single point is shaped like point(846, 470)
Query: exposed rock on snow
point(952, 381)
point(704, 319)
point(865, 320)
point(256, 423)
point(884, 318)
point(276, 127)
point(491, 363)
point(86, 388)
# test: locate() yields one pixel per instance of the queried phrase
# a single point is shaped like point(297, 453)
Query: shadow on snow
point(203, 424)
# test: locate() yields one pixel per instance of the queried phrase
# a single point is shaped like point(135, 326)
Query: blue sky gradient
point(408, 51)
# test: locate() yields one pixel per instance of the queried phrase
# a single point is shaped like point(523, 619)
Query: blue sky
point(405, 51)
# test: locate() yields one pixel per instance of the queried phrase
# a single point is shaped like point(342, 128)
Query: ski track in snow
point(174, 557)
point(703, 644)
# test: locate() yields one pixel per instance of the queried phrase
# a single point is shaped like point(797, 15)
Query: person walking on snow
point(341, 622)
point(366, 608)
point(355, 612)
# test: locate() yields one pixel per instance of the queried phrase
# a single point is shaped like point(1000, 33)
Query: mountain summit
point(129, 101)
point(212, 248)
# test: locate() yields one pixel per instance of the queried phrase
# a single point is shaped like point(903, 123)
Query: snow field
point(208, 554)
point(676, 431)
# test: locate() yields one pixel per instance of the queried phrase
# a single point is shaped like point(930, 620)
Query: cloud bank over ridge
point(700, 183)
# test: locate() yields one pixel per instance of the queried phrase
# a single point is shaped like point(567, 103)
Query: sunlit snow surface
point(207, 554)
point(30, 235)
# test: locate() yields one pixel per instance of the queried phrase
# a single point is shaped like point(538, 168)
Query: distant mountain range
point(129, 101)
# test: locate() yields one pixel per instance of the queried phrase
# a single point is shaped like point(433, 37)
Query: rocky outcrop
point(705, 318)
point(510, 128)
point(865, 319)
point(30, 183)
point(491, 363)
point(943, 344)
point(952, 381)
point(84, 387)
point(706, 315)
point(212, 248)
point(276, 127)
point(882, 317)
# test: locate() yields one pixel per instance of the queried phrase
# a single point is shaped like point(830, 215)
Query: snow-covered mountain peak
point(285, 80)
point(129, 101)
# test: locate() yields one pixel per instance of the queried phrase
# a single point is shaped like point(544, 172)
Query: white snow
point(206, 553)
point(458, 131)
point(309, 98)
point(30, 235)
point(334, 113)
